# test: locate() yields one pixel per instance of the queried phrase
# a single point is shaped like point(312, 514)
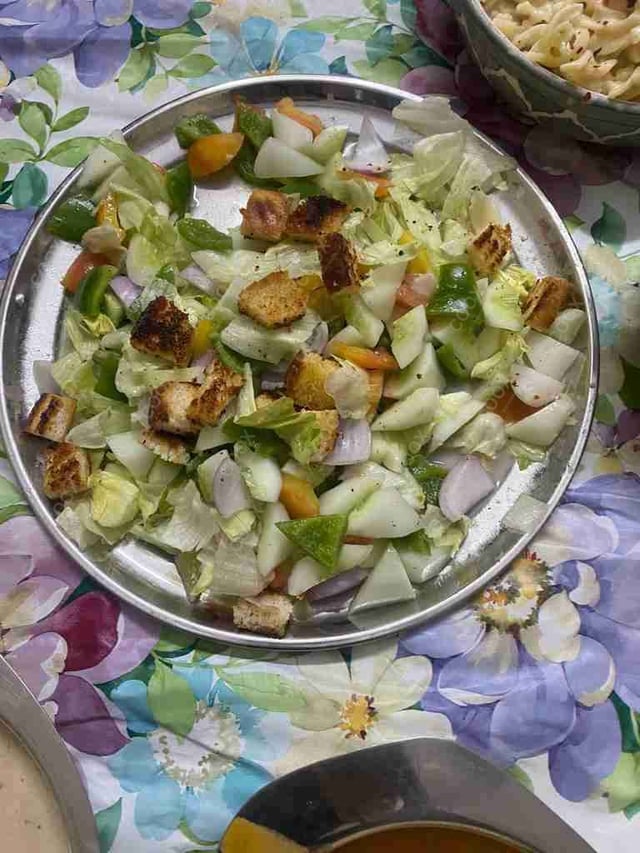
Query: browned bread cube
point(316, 216)
point(339, 262)
point(265, 216)
point(267, 613)
point(66, 471)
point(163, 330)
point(166, 446)
point(489, 248)
point(547, 298)
point(275, 300)
point(328, 421)
point(221, 384)
point(51, 417)
point(168, 407)
point(305, 380)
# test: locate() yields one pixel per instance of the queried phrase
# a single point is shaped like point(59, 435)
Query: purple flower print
point(530, 666)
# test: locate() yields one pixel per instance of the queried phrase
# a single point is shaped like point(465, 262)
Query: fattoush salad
point(303, 411)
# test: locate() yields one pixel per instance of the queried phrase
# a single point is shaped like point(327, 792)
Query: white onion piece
point(332, 604)
point(273, 377)
point(126, 291)
point(353, 443)
point(230, 494)
point(291, 132)
point(464, 486)
point(203, 361)
point(277, 160)
point(544, 426)
point(369, 154)
point(548, 355)
point(194, 275)
point(447, 458)
point(319, 338)
point(423, 284)
point(43, 378)
point(534, 388)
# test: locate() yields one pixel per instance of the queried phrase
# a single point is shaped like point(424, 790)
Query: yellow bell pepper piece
point(107, 213)
point(421, 263)
point(201, 341)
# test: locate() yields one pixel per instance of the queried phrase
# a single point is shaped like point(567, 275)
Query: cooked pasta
point(590, 43)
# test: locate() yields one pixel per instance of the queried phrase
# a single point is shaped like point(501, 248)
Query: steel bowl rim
point(353, 635)
point(586, 97)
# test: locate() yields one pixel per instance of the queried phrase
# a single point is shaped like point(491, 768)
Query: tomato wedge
point(369, 359)
point(85, 262)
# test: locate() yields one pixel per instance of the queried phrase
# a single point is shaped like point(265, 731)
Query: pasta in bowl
point(572, 65)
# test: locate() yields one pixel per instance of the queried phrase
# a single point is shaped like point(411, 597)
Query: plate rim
point(344, 88)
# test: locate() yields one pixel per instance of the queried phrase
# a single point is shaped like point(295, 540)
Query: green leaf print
point(380, 45)
point(408, 13)
point(623, 785)
point(605, 413)
point(71, 152)
point(33, 122)
point(49, 80)
point(199, 10)
point(194, 65)
point(10, 495)
point(329, 24)
point(177, 45)
point(108, 822)
point(378, 8)
point(298, 9)
point(356, 32)
point(171, 701)
point(71, 119)
point(388, 71)
point(29, 187)
point(135, 69)
point(271, 692)
point(629, 725)
point(610, 229)
point(173, 641)
point(630, 391)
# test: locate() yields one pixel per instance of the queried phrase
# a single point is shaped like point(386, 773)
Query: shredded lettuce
point(349, 387)
point(92, 433)
point(192, 524)
point(441, 531)
point(225, 267)
point(138, 373)
point(525, 454)
point(148, 178)
point(357, 192)
point(300, 430)
point(484, 434)
point(496, 370)
point(253, 341)
point(114, 499)
point(85, 334)
point(73, 374)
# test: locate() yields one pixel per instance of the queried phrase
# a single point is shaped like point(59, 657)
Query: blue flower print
point(14, 225)
point(531, 666)
point(45, 29)
point(256, 51)
point(201, 779)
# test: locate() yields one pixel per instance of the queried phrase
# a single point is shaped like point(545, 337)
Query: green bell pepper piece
point(105, 367)
point(194, 127)
point(92, 289)
point(199, 234)
point(427, 475)
point(72, 218)
point(113, 308)
point(450, 361)
point(253, 122)
point(456, 295)
point(243, 165)
point(179, 188)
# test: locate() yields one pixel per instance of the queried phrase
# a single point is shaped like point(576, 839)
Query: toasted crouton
point(220, 386)
point(489, 248)
point(166, 446)
point(168, 407)
point(66, 471)
point(164, 330)
point(51, 417)
point(316, 216)
point(265, 216)
point(328, 421)
point(547, 298)
point(267, 613)
point(275, 300)
point(305, 380)
point(265, 399)
point(338, 262)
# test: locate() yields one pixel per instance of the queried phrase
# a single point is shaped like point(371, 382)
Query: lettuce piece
point(246, 398)
point(237, 525)
point(355, 191)
point(156, 245)
point(455, 238)
point(149, 179)
point(385, 252)
point(193, 523)
point(114, 500)
point(225, 267)
point(402, 481)
point(496, 370)
point(232, 567)
point(69, 521)
point(441, 532)
point(110, 535)
point(479, 169)
point(300, 430)
point(485, 434)
point(419, 220)
point(92, 433)
point(349, 387)
point(525, 454)
point(84, 341)
point(437, 161)
point(501, 302)
point(430, 117)
point(73, 374)
point(138, 373)
point(132, 207)
point(157, 287)
point(389, 450)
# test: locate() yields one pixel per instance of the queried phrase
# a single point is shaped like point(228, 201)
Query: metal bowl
point(30, 328)
point(20, 712)
point(424, 782)
point(538, 94)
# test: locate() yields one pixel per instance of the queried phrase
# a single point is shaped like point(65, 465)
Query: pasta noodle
point(590, 43)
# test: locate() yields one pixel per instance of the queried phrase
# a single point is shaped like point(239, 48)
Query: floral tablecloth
point(541, 674)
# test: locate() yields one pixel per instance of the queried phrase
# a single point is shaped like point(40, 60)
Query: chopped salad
point(305, 409)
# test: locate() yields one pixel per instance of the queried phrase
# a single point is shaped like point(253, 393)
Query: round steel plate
point(31, 314)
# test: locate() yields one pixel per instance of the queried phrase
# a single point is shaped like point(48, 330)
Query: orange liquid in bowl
point(426, 839)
